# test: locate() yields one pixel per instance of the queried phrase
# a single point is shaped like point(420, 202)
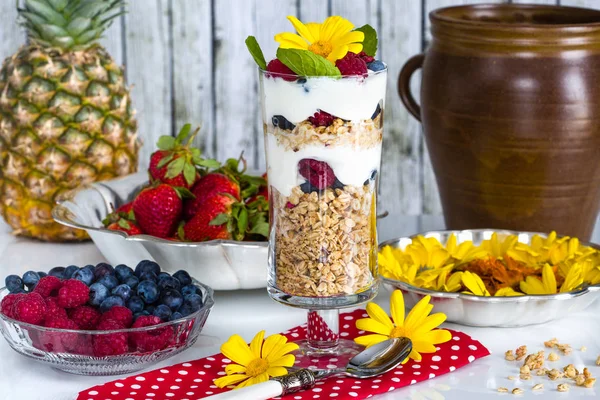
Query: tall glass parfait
point(323, 139)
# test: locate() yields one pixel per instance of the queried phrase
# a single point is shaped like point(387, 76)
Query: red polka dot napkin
point(194, 379)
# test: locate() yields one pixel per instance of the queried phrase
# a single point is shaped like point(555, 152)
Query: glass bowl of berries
point(103, 320)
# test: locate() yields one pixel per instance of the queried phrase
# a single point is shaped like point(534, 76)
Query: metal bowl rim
point(484, 299)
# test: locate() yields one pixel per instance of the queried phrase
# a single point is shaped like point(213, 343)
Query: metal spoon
point(376, 360)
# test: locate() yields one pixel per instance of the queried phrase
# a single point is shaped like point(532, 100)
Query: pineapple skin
point(66, 120)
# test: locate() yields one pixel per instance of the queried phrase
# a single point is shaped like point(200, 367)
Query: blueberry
point(189, 289)
point(85, 275)
point(183, 277)
point(163, 312)
point(337, 184)
point(306, 187)
point(150, 309)
point(176, 315)
point(282, 122)
point(98, 293)
point(148, 276)
point(185, 310)
point(110, 302)
point(169, 283)
point(42, 274)
point(123, 272)
point(376, 65)
point(194, 301)
point(132, 281)
point(147, 265)
point(172, 298)
point(103, 269)
point(135, 304)
point(57, 272)
point(69, 271)
point(148, 291)
point(110, 281)
point(30, 279)
point(139, 314)
point(377, 111)
point(163, 275)
point(13, 283)
point(123, 291)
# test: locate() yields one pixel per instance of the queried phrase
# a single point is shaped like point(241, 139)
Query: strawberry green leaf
point(181, 231)
point(242, 220)
point(255, 180)
point(370, 40)
point(232, 164)
point(231, 225)
point(219, 219)
point(184, 193)
point(256, 52)
point(165, 160)
point(175, 168)
point(196, 152)
point(131, 215)
point(189, 173)
point(183, 133)
point(307, 63)
point(249, 191)
point(208, 163)
point(261, 228)
point(124, 224)
point(166, 142)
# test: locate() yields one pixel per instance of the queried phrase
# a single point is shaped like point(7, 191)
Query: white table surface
point(247, 312)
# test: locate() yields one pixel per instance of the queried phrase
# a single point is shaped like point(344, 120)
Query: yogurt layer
point(351, 98)
point(351, 165)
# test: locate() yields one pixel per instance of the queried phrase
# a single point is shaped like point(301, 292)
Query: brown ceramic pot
point(510, 106)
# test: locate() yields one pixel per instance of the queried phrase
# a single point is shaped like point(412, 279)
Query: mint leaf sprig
point(307, 63)
point(370, 41)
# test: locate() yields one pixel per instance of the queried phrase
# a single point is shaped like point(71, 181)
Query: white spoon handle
point(261, 391)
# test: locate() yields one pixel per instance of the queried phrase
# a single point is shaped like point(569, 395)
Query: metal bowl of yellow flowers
point(494, 278)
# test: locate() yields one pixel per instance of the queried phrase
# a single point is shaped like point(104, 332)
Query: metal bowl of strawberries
point(185, 212)
point(75, 326)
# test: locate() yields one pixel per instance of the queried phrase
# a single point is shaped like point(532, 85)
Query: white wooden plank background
point(187, 62)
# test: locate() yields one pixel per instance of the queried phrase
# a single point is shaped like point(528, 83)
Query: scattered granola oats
point(551, 343)
point(510, 356)
point(555, 374)
point(525, 377)
point(565, 348)
point(589, 382)
point(512, 378)
point(521, 352)
point(541, 371)
point(570, 371)
point(587, 373)
point(579, 380)
point(583, 348)
point(537, 386)
point(524, 370)
point(517, 391)
point(503, 390)
point(598, 360)
point(553, 357)
point(563, 387)
point(534, 361)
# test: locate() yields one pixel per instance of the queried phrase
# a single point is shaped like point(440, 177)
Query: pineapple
point(65, 114)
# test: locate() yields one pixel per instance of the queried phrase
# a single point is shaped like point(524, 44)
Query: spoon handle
point(291, 383)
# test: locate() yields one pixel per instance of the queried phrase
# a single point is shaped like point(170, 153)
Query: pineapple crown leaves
point(182, 157)
point(69, 24)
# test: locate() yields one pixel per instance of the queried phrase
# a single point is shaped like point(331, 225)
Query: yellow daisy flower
point(496, 248)
point(465, 251)
point(257, 362)
point(418, 325)
point(532, 285)
point(573, 279)
point(332, 39)
point(506, 292)
point(474, 283)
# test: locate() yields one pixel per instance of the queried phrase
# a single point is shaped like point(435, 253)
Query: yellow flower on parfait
point(533, 285)
point(332, 39)
point(474, 283)
point(255, 363)
point(418, 326)
point(507, 292)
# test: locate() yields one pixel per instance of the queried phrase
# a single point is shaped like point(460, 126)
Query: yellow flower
point(533, 285)
point(418, 325)
point(465, 251)
point(332, 39)
point(497, 249)
point(474, 283)
point(506, 292)
point(257, 362)
point(573, 279)
point(427, 252)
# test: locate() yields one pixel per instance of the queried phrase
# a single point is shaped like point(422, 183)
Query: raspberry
point(321, 118)
point(48, 286)
point(30, 308)
point(6, 307)
point(277, 67)
point(59, 342)
point(152, 340)
point(352, 64)
point(122, 315)
point(85, 317)
point(53, 309)
point(73, 293)
point(110, 344)
point(366, 58)
point(318, 173)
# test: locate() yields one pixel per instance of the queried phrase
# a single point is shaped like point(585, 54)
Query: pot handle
point(406, 73)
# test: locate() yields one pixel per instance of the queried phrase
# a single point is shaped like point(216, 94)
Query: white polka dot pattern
point(194, 379)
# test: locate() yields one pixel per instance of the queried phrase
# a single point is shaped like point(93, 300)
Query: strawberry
point(158, 210)
point(120, 219)
point(201, 227)
point(175, 163)
point(126, 226)
point(205, 188)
